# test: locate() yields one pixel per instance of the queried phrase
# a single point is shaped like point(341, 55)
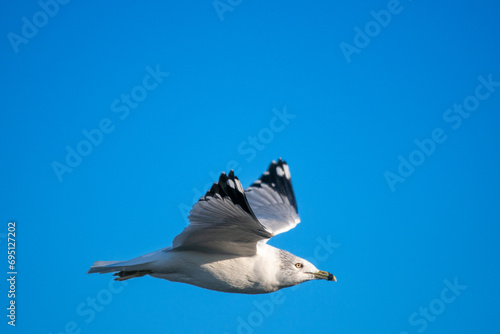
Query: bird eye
point(299, 265)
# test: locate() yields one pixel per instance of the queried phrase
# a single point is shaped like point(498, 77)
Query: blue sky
point(116, 116)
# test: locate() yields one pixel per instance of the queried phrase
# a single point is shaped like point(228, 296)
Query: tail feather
point(125, 275)
point(105, 263)
point(137, 267)
point(124, 271)
point(103, 267)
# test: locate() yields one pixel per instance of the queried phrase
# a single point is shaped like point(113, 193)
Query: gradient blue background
point(352, 121)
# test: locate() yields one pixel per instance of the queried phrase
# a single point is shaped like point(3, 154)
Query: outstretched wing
point(222, 221)
point(272, 199)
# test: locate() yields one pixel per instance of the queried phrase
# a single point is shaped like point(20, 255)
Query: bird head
point(295, 270)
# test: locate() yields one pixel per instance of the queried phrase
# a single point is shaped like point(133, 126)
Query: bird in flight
point(224, 247)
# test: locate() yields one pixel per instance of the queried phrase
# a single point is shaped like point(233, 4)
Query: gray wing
point(272, 199)
point(222, 221)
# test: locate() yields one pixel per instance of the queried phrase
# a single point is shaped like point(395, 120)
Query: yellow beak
point(324, 275)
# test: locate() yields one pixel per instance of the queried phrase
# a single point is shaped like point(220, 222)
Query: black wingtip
point(222, 179)
point(213, 189)
point(277, 176)
point(230, 186)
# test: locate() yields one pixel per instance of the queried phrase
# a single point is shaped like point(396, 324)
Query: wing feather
point(222, 221)
point(230, 220)
point(272, 199)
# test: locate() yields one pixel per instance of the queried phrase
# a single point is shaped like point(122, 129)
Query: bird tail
point(103, 267)
point(121, 269)
point(124, 270)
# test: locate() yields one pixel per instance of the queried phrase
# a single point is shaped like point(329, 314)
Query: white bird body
point(220, 272)
point(224, 248)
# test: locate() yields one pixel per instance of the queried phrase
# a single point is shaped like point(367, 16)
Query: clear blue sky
point(386, 112)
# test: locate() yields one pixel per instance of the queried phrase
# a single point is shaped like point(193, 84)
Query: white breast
point(255, 274)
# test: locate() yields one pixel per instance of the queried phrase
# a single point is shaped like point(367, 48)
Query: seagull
point(224, 247)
